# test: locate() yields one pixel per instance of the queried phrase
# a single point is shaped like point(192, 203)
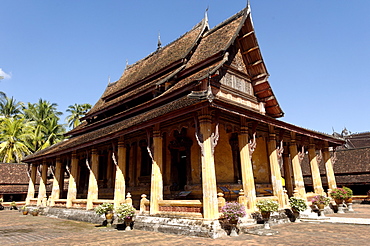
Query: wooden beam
point(272, 106)
point(262, 91)
point(267, 99)
point(258, 82)
point(246, 35)
point(256, 63)
point(250, 50)
point(260, 76)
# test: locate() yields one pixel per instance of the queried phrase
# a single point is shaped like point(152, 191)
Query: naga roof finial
point(159, 45)
point(126, 64)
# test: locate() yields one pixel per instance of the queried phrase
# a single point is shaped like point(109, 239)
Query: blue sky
point(317, 52)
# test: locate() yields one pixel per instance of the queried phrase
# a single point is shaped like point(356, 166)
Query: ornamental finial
point(159, 41)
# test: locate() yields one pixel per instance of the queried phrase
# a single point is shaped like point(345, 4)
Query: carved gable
point(238, 63)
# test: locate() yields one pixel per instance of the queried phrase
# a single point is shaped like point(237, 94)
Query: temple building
point(195, 118)
point(350, 163)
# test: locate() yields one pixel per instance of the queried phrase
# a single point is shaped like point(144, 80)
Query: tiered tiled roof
point(13, 178)
point(158, 85)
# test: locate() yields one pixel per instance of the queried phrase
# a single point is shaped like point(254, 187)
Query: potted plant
point(266, 206)
point(233, 211)
point(126, 212)
point(298, 205)
point(106, 209)
point(348, 199)
point(339, 195)
point(35, 212)
point(13, 205)
point(24, 210)
point(321, 201)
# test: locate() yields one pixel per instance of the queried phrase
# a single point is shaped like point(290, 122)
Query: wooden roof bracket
point(247, 34)
point(208, 94)
point(148, 146)
point(268, 99)
point(250, 50)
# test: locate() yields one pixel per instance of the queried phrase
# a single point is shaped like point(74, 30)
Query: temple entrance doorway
point(180, 160)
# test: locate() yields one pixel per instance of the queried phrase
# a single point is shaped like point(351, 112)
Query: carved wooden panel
point(237, 83)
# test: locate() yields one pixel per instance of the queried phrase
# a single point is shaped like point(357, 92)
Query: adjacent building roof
point(13, 178)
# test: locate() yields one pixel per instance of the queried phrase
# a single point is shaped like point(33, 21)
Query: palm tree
point(54, 132)
point(14, 134)
point(9, 107)
point(77, 111)
point(44, 118)
point(41, 112)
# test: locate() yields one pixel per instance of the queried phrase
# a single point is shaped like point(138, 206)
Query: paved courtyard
point(17, 229)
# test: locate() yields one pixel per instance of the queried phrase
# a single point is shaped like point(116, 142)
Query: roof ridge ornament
point(248, 7)
point(206, 17)
point(126, 67)
point(159, 44)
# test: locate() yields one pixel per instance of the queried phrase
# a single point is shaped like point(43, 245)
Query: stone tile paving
point(17, 229)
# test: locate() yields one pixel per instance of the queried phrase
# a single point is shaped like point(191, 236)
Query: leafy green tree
point(44, 117)
point(9, 107)
point(14, 134)
point(76, 112)
point(54, 132)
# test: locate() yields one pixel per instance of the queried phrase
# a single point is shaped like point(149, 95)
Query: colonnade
point(207, 140)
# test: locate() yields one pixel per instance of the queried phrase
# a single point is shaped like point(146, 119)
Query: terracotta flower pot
point(233, 222)
point(265, 215)
point(128, 224)
point(108, 216)
point(321, 206)
point(338, 201)
point(25, 212)
point(295, 213)
point(348, 200)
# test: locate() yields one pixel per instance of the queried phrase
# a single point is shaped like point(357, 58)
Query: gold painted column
point(329, 167)
point(246, 166)
point(277, 185)
point(41, 199)
point(55, 193)
point(31, 185)
point(120, 184)
point(210, 205)
point(72, 185)
point(156, 188)
point(288, 174)
point(297, 170)
point(315, 172)
point(92, 192)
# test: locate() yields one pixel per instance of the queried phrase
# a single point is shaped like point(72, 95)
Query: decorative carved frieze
point(237, 83)
point(214, 138)
point(319, 157)
point(280, 150)
point(214, 135)
point(334, 158)
point(301, 155)
point(87, 164)
point(38, 170)
point(149, 147)
point(252, 145)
